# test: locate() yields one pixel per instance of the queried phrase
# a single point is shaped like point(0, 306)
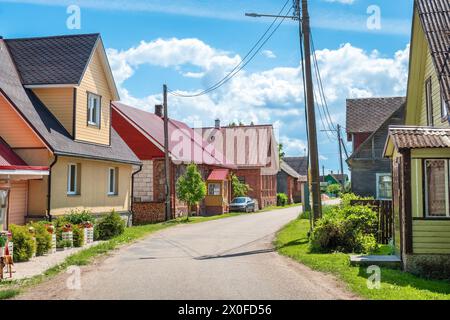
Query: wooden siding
point(18, 200)
point(14, 130)
point(60, 103)
point(94, 81)
point(93, 189)
point(431, 236)
point(417, 188)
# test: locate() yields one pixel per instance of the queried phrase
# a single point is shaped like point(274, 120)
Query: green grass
point(269, 208)
point(11, 288)
point(292, 241)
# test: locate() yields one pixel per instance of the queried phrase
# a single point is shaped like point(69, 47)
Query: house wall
point(93, 188)
point(59, 101)
point(18, 200)
point(143, 183)
point(94, 81)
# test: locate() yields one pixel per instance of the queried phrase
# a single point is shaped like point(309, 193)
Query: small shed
point(218, 193)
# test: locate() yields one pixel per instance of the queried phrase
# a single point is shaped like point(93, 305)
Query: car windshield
point(239, 200)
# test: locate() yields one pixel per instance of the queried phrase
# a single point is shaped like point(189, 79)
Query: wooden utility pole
point(168, 212)
point(340, 154)
point(311, 114)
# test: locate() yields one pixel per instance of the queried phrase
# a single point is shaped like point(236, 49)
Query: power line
point(241, 65)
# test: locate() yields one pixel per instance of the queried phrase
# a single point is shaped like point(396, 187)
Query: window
point(73, 179)
point(94, 103)
point(384, 186)
point(444, 109)
point(3, 209)
point(436, 188)
point(112, 181)
point(214, 189)
point(429, 102)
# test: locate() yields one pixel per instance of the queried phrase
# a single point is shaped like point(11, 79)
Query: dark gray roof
point(288, 169)
point(435, 19)
point(52, 60)
point(299, 164)
point(368, 114)
point(47, 126)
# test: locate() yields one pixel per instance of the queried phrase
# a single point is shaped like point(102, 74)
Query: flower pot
point(53, 249)
point(88, 235)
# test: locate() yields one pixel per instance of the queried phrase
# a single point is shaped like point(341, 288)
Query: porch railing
point(385, 217)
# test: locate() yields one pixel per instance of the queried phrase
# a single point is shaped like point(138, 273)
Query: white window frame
point(444, 110)
point(91, 98)
point(429, 101)
point(69, 179)
point(215, 184)
point(378, 175)
point(425, 175)
point(114, 182)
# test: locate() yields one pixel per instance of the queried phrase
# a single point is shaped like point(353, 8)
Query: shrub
point(348, 229)
point(348, 197)
point(240, 189)
point(110, 226)
point(24, 244)
point(334, 189)
point(78, 236)
point(43, 238)
point(76, 217)
point(282, 199)
point(64, 244)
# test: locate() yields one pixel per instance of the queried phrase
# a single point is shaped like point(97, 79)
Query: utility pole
point(340, 153)
point(302, 16)
point(168, 213)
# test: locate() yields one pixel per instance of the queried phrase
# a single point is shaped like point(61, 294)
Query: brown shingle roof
point(435, 18)
point(368, 114)
point(52, 60)
point(419, 137)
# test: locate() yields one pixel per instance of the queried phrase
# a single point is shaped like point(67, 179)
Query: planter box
point(88, 235)
point(11, 248)
point(2, 251)
point(68, 236)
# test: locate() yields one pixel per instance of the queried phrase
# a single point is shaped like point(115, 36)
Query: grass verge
point(292, 241)
point(9, 289)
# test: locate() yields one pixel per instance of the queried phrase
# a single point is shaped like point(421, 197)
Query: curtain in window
point(436, 190)
point(385, 186)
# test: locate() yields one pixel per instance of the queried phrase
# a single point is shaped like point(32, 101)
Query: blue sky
point(189, 44)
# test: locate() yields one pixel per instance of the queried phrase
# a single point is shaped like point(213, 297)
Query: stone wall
point(148, 212)
point(143, 183)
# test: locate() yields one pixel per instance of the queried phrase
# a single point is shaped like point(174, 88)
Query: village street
point(229, 258)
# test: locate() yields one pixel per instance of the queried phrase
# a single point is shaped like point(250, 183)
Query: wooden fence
point(385, 217)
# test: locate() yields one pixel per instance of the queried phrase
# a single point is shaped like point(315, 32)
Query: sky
point(362, 50)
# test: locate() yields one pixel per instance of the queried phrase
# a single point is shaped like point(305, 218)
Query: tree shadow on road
point(233, 255)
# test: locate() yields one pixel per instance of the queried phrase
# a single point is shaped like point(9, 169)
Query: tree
point(334, 189)
point(191, 188)
point(239, 189)
point(281, 153)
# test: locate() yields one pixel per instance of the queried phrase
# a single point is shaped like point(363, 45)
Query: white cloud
point(269, 96)
point(268, 54)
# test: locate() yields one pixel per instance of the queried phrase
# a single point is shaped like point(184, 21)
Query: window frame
point(74, 179)
point(97, 121)
point(378, 175)
point(425, 185)
point(429, 101)
point(115, 192)
point(444, 116)
point(214, 184)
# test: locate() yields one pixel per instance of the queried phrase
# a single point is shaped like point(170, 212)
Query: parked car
point(244, 204)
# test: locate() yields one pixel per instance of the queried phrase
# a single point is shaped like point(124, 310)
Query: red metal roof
point(153, 126)
point(9, 160)
point(218, 175)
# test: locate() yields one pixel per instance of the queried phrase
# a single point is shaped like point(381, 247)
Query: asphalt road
point(230, 258)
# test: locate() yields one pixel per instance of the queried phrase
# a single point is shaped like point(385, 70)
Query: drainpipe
point(132, 184)
point(49, 191)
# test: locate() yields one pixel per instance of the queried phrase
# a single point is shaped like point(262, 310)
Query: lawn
point(9, 289)
point(292, 241)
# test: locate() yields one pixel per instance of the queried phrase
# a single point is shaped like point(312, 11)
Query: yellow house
point(420, 150)
point(55, 112)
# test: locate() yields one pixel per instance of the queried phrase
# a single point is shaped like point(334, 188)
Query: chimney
point(217, 124)
point(159, 110)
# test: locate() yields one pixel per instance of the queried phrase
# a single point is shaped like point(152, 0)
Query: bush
point(64, 244)
point(24, 244)
point(43, 237)
point(110, 226)
point(348, 197)
point(282, 199)
point(78, 236)
point(350, 229)
point(76, 217)
point(334, 189)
